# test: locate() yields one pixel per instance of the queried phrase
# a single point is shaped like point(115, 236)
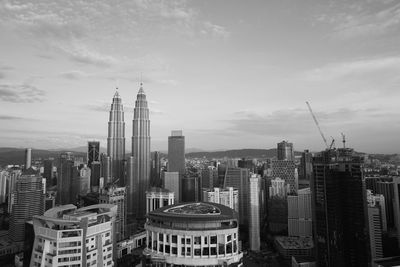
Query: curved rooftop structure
point(194, 211)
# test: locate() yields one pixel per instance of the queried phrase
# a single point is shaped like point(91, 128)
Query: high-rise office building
point(116, 138)
point(376, 220)
point(157, 197)
point(112, 194)
point(81, 182)
point(190, 188)
point(171, 182)
point(285, 151)
point(93, 152)
point(28, 158)
point(3, 186)
point(176, 152)
point(305, 169)
point(67, 236)
point(64, 179)
point(299, 214)
point(106, 168)
point(286, 169)
point(48, 165)
point(29, 201)
point(226, 196)
point(339, 209)
point(95, 175)
point(239, 178)
point(209, 177)
point(254, 212)
point(140, 162)
point(156, 169)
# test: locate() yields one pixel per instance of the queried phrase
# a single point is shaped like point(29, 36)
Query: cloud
point(2, 75)
point(21, 93)
point(74, 75)
point(362, 68)
point(9, 117)
point(82, 54)
point(362, 18)
point(215, 30)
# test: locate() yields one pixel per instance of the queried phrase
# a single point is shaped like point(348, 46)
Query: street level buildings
point(67, 236)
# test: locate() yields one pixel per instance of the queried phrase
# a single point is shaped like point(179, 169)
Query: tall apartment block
point(254, 212)
point(112, 194)
point(226, 196)
point(285, 151)
point(48, 165)
point(28, 202)
point(299, 214)
point(340, 209)
point(305, 169)
point(239, 178)
point(67, 236)
point(157, 197)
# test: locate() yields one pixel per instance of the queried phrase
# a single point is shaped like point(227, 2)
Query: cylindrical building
point(193, 234)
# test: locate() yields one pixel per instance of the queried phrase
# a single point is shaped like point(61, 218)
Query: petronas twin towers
point(134, 172)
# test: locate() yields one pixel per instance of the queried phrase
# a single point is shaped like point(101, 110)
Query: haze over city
point(230, 74)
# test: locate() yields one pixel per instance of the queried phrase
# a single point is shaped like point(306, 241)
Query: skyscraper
point(286, 169)
point(64, 179)
point(117, 196)
point(116, 138)
point(254, 212)
point(93, 152)
point(299, 214)
point(139, 170)
point(339, 208)
point(156, 169)
point(29, 201)
point(48, 171)
point(239, 178)
point(28, 158)
point(285, 151)
point(176, 152)
point(171, 182)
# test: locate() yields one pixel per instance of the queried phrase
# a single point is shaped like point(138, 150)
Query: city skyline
point(230, 75)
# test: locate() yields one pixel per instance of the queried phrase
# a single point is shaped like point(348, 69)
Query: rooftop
point(194, 211)
point(291, 242)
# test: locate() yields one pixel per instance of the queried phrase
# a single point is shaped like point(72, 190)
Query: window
point(206, 251)
point(197, 252)
point(174, 250)
point(213, 251)
point(213, 239)
point(229, 238)
point(197, 240)
point(161, 237)
point(174, 239)
point(188, 241)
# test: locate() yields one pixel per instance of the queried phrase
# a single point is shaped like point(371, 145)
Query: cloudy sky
point(229, 73)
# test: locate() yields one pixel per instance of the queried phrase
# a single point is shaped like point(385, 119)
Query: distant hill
point(16, 156)
point(236, 153)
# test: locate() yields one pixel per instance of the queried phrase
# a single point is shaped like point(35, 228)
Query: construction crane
point(319, 128)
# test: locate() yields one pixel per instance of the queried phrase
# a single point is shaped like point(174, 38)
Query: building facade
point(176, 152)
point(193, 234)
point(93, 153)
point(67, 236)
point(157, 197)
point(340, 209)
point(171, 182)
point(286, 169)
point(285, 151)
point(300, 214)
point(254, 212)
point(112, 194)
point(226, 196)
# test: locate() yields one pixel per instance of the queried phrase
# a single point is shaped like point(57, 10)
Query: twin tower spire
point(134, 171)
